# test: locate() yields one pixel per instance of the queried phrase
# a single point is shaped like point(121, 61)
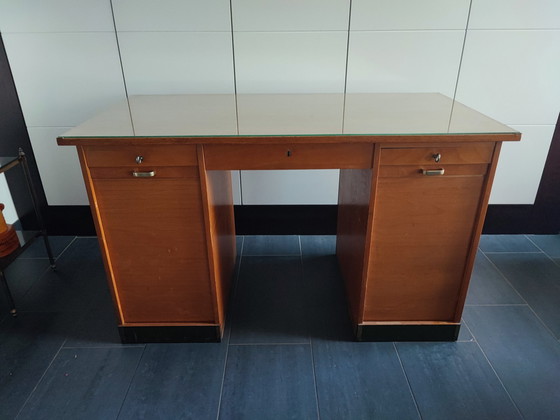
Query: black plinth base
point(171, 334)
point(437, 332)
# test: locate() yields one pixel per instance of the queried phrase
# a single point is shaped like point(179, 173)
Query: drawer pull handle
point(149, 174)
point(437, 157)
point(433, 172)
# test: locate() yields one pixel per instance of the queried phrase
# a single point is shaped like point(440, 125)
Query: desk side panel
point(220, 229)
point(100, 232)
point(352, 233)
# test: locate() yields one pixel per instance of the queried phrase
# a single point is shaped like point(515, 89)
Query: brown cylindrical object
point(3, 224)
point(9, 241)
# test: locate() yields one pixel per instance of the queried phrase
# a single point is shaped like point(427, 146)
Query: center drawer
point(288, 156)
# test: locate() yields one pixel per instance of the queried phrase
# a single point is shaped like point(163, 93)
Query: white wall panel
point(409, 14)
point(55, 16)
point(291, 15)
point(290, 187)
point(423, 61)
point(236, 186)
point(63, 79)
point(58, 166)
point(9, 212)
point(515, 14)
point(520, 166)
point(177, 62)
point(172, 15)
point(290, 62)
point(512, 76)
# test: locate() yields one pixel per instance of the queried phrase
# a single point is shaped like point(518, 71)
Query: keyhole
point(289, 153)
point(139, 159)
point(437, 157)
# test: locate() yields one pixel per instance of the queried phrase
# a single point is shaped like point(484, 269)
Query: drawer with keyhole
point(438, 154)
point(141, 156)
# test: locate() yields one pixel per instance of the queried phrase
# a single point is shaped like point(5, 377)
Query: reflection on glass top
point(287, 114)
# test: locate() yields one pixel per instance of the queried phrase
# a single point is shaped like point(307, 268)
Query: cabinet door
point(153, 230)
point(423, 229)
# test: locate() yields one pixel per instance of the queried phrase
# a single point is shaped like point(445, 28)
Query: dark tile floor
point(287, 352)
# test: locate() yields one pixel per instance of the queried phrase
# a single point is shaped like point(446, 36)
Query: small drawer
point(141, 156)
point(438, 154)
point(148, 172)
point(288, 156)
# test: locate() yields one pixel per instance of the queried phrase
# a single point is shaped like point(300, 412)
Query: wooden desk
point(415, 177)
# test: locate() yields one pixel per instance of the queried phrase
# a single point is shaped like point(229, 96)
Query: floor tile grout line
point(40, 379)
point(524, 300)
point(43, 273)
point(131, 379)
point(234, 291)
point(226, 357)
point(407, 380)
point(298, 343)
point(272, 255)
point(504, 277)
point(109, 346)
point(314, 380)
point(512, 252)
point(498, 377)
point(306, 291)
point(497, 304)
point(66, 248)
point(465, 324)
point(56, 257)
point(542, 250)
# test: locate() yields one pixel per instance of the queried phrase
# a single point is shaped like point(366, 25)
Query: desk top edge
point(304, 118)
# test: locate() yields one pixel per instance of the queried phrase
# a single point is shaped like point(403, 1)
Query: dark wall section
point(13, 135)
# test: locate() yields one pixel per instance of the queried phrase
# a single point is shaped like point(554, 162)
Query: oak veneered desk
point(415, 178)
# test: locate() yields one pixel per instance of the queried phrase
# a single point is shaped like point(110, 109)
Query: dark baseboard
point(286, 220)
point(508, 219)
point(171, 334)
point(308, 220)
point(440, 332)
point(70, 220)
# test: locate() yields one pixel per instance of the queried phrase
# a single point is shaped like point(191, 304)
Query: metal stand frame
point(22, 160)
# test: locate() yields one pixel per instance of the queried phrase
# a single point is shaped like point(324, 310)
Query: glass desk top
point(217, 115)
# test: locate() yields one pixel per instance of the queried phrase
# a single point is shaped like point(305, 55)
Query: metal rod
point(4, 282)
point(33, 194)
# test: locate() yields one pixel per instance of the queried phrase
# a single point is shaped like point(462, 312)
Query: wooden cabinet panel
point(422, 233)
point(156, 249)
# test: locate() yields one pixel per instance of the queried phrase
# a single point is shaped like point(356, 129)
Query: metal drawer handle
point(143, 174)
point(433, 172)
